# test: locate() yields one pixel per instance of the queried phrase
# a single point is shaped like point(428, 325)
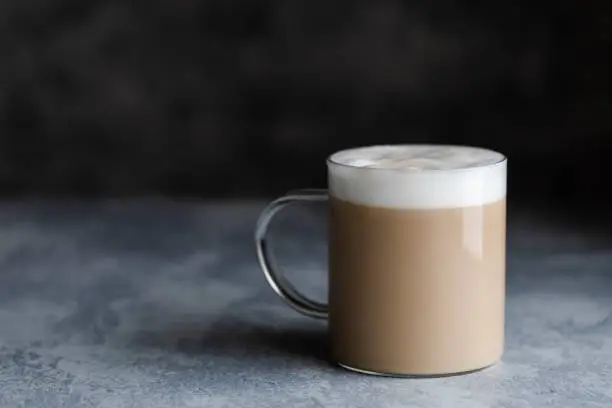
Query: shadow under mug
point(416, 260)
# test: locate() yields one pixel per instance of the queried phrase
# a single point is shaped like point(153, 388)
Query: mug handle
point(275, 277)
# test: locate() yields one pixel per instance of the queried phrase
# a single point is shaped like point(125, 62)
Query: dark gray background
point(245, 98)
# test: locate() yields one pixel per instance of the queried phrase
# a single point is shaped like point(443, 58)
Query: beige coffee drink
point(417, 258)
point(417, 252)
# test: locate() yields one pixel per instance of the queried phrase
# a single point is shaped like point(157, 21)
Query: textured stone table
point(156, 304)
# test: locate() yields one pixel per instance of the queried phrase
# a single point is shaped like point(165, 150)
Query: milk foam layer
point(418, 176)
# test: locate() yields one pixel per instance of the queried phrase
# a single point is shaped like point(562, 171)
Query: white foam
point(418, 176)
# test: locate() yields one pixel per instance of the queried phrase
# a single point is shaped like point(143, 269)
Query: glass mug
point(417, 254)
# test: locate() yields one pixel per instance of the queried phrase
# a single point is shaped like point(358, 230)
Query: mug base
point(402, 375)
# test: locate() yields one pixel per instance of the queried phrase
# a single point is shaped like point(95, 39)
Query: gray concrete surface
point(157, 304)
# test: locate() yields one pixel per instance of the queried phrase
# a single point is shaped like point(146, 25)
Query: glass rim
point(330, 159)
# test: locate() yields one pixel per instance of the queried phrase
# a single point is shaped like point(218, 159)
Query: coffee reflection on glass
point(417, 253)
